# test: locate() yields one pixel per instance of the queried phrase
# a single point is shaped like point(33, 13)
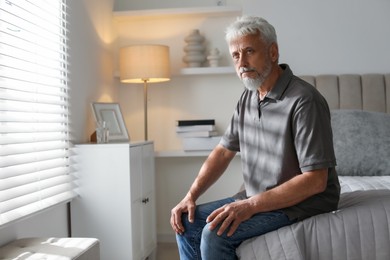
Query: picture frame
point(112, 115)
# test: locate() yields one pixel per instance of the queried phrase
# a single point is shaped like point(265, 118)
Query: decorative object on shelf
point(111, 114)
point(195, 122)
point(102, 132)
point(195, 128)
point(144, 64)
point(221, 2)
point(195, 49)
point(197, 134)
point(214, 57)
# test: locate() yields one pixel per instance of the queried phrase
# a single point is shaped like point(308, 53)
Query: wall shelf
point(210, 11)
point(178, 153)
point(207, 70)
point(181, 153)
point(198, 71)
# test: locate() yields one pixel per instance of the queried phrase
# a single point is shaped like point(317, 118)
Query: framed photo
point(112, 115)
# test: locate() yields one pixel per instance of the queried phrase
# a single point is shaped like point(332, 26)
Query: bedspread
point(358, 230)
point(354, 183)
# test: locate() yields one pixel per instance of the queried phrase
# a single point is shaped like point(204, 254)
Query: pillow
point(361, 141)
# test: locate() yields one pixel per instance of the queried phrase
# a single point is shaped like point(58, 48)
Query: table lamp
point(144, 64)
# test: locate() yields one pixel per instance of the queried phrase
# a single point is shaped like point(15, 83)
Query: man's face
point(252, 60)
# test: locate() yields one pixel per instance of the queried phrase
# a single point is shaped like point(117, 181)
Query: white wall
point(91, 68)
point(92, 39)
point(315, 37)
point(320, 37)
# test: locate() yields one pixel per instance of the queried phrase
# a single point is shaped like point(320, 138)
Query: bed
point(360, 228)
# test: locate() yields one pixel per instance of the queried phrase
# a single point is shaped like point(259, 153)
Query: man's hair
point(246, 25)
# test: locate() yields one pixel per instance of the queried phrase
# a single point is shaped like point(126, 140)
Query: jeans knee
point(213, 246)
point(208, 235)
point(211, 239)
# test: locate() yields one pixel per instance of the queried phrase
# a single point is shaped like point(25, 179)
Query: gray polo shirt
point(287, 133)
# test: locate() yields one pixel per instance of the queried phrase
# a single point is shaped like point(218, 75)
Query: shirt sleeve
point(313, 136)
point(230, 139)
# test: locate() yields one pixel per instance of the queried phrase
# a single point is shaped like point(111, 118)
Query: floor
point(167, 251)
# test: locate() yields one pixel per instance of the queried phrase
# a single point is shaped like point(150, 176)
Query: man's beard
point(253, 84)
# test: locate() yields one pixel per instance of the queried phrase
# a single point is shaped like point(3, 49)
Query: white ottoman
point(51, 248)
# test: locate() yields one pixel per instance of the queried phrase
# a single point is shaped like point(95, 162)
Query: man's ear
point(274, 52)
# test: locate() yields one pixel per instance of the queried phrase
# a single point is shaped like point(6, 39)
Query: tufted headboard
point(370, 92)
point(361, 135)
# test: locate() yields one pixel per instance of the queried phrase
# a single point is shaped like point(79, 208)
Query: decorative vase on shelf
point(195, 49)
point(214, 57)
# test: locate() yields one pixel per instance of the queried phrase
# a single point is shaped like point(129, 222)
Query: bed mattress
point(358, 230)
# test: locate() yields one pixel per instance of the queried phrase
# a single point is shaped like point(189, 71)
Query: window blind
point(35, 170)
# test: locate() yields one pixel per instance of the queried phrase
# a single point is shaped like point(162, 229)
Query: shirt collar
point(281, 84)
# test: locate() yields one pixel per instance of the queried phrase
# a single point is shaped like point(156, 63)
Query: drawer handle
point(146, 200)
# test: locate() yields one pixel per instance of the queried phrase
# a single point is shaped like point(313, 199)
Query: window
point(35, 170)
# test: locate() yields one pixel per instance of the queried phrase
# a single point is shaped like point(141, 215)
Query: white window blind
point(35, 171)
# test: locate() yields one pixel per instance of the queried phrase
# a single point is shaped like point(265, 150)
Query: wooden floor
point(167, 251)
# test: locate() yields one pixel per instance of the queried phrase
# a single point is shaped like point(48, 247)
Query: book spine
point(197, 133)
point(195, 128)
point(195, 122)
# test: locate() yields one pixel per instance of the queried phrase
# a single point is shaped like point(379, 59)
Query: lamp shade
point(140, 63)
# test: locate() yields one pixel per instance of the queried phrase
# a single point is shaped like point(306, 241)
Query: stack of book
point(198, 135)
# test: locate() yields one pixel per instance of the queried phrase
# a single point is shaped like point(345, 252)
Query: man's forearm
point(214, 166)
point(291, 192)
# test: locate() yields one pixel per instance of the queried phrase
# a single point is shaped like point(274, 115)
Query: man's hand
point(231, 215)
point(211, 170)
point(187, 205)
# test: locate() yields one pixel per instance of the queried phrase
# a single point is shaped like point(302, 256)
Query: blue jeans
point(198, 242)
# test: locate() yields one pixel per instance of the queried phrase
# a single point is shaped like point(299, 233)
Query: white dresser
point(117, 199)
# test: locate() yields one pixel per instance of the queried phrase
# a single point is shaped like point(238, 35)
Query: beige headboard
point(369, 92)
